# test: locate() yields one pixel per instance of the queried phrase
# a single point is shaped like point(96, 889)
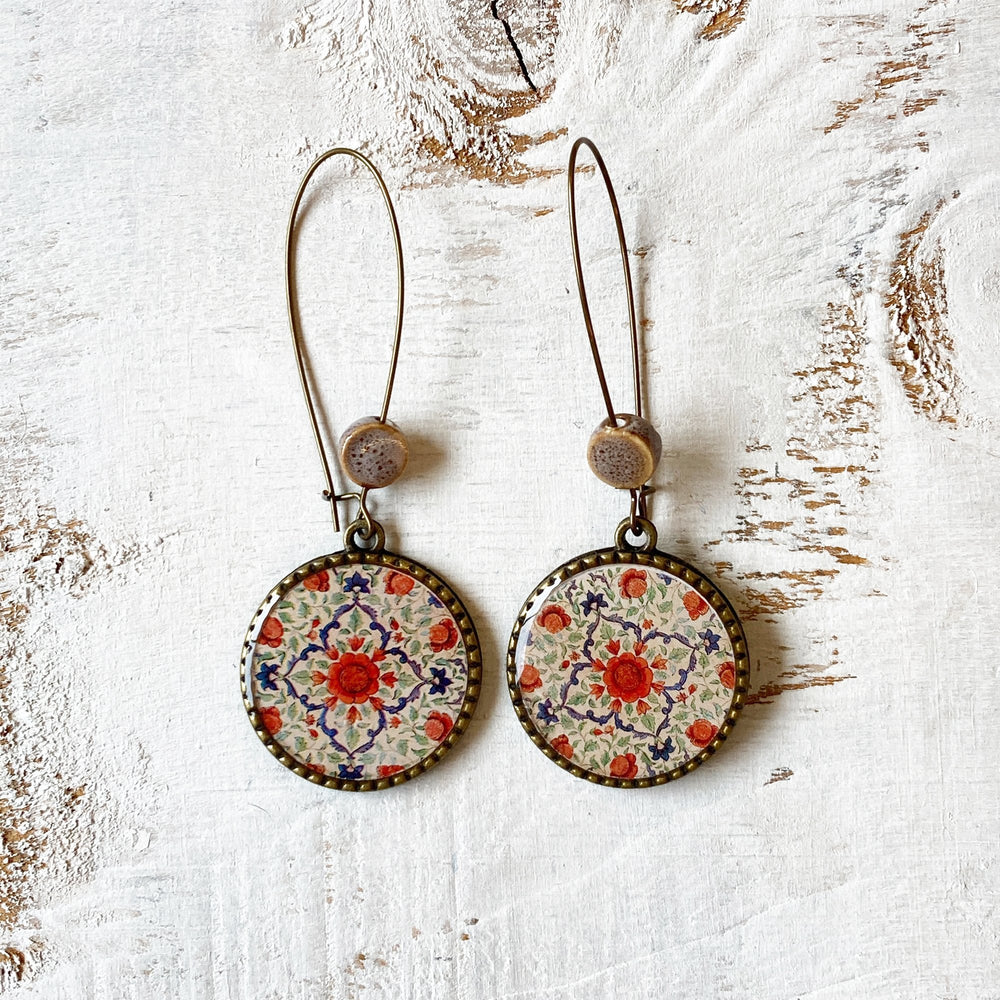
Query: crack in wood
point(513, 44)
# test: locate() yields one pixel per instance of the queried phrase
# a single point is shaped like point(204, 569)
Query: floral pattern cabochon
point(360, 670)
point(629, 673)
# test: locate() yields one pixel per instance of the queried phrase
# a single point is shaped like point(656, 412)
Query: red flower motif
point(398, 583)
point(390, 678)
point(727, 674)
point(271, 633)
point(353, 714)
point(614, 647)
point(597, 690)
point(633, 583)
point(353, 678)
point(438, 726)
point(384, 770)
point(531, 680)
point(318, 768)
point(682, 697)
point(394, 722)
point(696, 607)
point(443, 636)
point(317, 581)
point(624, 766)
point(553, 619)
point(562, 746)
point(701, 732)
point(628, 677)
point(271, 718)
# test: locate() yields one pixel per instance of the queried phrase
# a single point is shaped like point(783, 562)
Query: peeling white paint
point(150, 400)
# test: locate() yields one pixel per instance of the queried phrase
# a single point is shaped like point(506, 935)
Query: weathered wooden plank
point(808, 192)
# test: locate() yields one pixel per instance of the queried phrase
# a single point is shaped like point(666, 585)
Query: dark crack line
point(513, 44)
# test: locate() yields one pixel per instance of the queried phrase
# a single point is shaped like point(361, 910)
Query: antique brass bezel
point(646, 558)
point(451, 602)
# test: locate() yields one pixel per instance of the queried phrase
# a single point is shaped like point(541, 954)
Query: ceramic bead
point(625, 456)
point(373, 454)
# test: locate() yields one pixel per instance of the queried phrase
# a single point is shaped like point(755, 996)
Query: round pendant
point(627, 667)
point(360, 670)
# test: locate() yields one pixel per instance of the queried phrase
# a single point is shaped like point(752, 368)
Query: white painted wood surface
point(810, 189)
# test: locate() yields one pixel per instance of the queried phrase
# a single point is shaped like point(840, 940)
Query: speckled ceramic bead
point(625, 456)
point(373, 454)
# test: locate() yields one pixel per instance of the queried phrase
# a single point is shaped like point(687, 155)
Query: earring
point(626, 666)
point(360, 669)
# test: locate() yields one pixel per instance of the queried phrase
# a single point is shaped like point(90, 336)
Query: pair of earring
point(361, 669)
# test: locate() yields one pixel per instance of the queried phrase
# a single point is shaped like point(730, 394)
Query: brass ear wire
point(625, 449)
point(368, 526)
point(633, 332)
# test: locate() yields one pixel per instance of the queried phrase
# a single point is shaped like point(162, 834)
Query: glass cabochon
point(360, 670)
point(628, 672)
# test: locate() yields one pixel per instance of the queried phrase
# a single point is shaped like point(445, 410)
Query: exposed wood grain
point(818, 316)
point(725, 15)
point(458, 75)
point(923, 352)
point(903, 81)
point(39, 809)
point(779, 774)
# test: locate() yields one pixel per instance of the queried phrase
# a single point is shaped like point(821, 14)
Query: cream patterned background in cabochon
point(809, 190)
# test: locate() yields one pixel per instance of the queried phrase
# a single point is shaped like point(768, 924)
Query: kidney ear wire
point(370, 434)
point(625, 449)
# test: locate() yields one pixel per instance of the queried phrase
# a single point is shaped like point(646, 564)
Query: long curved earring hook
point(291, 298)
point(633, 333)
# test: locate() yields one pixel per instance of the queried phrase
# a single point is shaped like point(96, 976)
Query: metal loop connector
point(638, 511)
point(641, 527)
